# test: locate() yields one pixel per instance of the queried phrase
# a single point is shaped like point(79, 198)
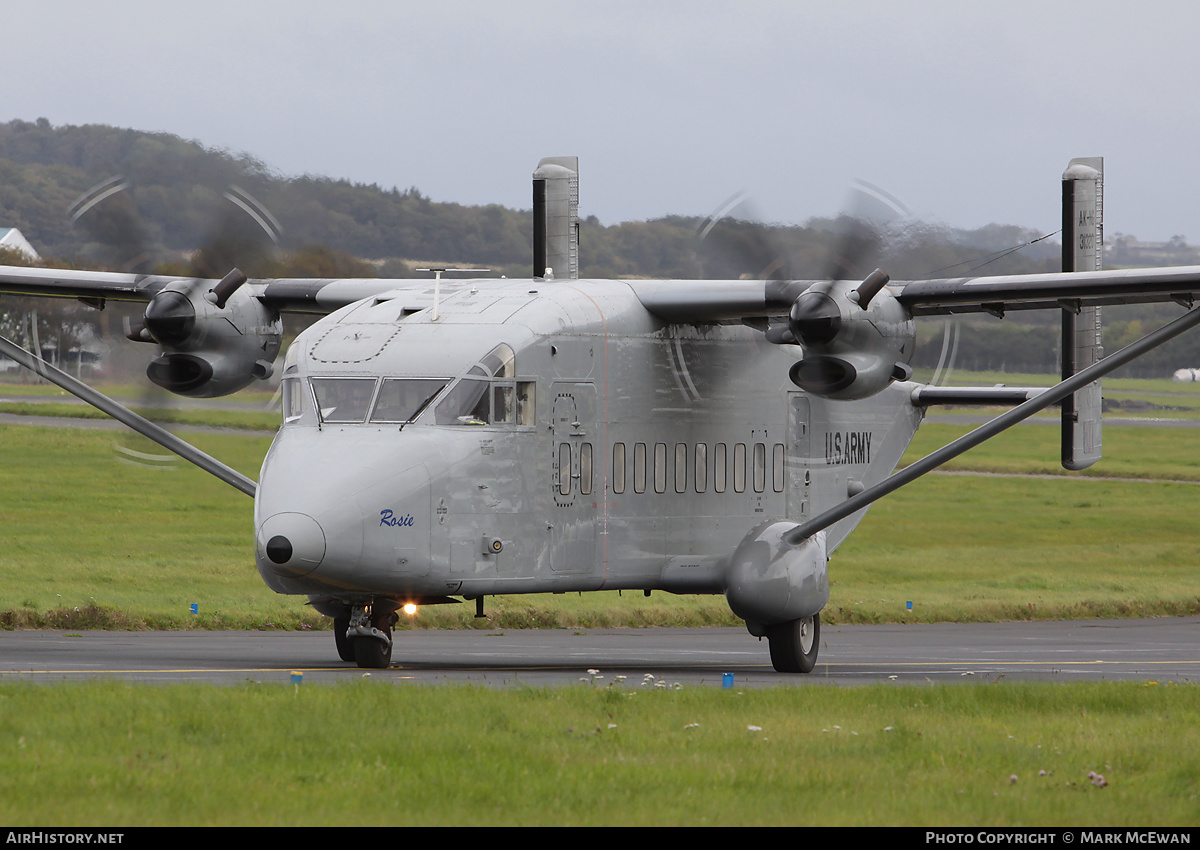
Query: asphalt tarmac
point(1158, 650)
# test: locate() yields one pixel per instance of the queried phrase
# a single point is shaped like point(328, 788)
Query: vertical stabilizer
point(1083, 249)
point(556, 217)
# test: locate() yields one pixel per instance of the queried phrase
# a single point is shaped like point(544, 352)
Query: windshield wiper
point(421, 407)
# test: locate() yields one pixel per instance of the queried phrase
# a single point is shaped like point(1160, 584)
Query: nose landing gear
point(366, 636)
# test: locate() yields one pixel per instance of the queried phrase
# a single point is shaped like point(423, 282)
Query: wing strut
point(985, 432)
point(123, 414)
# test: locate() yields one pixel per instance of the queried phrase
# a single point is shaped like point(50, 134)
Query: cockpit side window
point(500, 362)
point(503, 406)
point(489, 394)
point(526, 402)
point(465, 404)
point(293, 400)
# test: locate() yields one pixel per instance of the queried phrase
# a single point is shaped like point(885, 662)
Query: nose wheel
point(367, 637)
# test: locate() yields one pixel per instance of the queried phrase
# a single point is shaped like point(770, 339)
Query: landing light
point(410, 608)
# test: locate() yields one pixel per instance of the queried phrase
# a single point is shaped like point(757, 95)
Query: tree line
point(174, 218)
point(177, 189)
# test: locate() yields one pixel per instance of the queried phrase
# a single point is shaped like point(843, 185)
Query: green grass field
point(92, 542)
point(131, 546)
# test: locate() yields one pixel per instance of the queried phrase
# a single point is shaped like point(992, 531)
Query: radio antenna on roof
point(437, 284)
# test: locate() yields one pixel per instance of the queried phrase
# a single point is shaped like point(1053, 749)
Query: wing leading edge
point(676, 301)
point(309, 295)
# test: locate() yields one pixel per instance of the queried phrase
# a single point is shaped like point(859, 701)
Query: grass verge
point(377, 753)
point(246, 421)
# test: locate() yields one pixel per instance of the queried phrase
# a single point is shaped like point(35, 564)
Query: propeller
point(108, 213)
point(244, 235)
point(735, 242)
point(179, 318)
point(855, 341)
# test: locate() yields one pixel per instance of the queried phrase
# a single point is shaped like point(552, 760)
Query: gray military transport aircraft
point(476, 437)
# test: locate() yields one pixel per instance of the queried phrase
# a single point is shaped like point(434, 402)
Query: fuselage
point(546, 436)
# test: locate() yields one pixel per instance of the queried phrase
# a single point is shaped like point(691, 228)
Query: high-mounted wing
point(1047, 291)
point(703, 301)
point(91, 287)
point(678, 301)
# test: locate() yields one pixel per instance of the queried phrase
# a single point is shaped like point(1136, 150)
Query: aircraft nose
point(293, 544)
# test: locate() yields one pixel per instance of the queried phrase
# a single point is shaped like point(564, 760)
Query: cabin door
point(798, 460)
point(574, 484)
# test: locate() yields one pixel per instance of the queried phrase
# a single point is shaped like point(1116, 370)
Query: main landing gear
point(365, 637)
point(794, 644)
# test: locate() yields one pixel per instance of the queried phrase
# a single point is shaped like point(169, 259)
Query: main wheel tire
point(794, 644)
point(345, 646)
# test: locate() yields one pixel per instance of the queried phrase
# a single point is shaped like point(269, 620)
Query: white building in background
point(10, 237)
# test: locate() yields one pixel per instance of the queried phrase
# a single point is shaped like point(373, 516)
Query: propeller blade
point(228, 285)
point(135, 333)
point(243, 235)
point(860, 232)
point(870, 287)
point(108, 214)
point(734, 241)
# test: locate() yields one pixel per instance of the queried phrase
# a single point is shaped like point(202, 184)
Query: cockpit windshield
point(401, 399)
point(343, 399)
point(348, 400)
point(488, 394)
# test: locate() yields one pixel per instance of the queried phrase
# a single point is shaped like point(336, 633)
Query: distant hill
point(177, 185)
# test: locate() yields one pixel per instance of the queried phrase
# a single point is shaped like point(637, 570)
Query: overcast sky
point(967, 111)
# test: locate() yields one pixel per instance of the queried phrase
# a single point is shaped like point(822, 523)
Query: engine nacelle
point(212, 345)
point(852, 350)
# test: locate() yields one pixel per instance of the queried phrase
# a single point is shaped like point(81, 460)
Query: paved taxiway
point(1161, 650)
